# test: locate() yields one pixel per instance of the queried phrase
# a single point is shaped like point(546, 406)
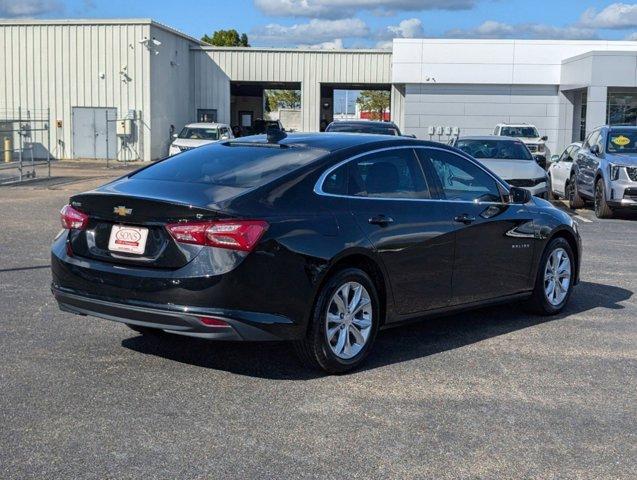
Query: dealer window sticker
point(620, 141)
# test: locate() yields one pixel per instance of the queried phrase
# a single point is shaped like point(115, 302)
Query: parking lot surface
point(495, 393)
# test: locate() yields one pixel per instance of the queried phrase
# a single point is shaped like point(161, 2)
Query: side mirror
point(541, 161)
point(519, 195)
point(595, 149)
point(555, 158)
point(174, 135)
point(545, 138)
point(225, 136)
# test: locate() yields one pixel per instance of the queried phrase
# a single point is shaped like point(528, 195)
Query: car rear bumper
point(182, 320)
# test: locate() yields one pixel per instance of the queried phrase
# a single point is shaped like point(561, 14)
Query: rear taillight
point(72, 218)
point(232, 234)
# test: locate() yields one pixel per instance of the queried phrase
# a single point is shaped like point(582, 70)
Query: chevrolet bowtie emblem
point(122, 211)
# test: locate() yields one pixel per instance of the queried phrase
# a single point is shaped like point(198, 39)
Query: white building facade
point(559, 86)
point(88, 75)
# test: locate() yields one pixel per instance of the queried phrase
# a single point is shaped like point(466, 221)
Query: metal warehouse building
point(117, 88)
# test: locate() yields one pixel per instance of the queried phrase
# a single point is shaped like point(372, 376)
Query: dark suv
point(605, 171)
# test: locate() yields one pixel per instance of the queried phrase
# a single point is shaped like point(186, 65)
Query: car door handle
point(464, 218)
point(381, 220)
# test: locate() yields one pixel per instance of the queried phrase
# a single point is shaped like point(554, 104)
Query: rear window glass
point(231, 166)
point(502, 149)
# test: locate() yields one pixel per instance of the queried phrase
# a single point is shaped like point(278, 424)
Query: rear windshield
point(230, 166)
point(199, 133)
point(362, 128)
point(522, 132)
point(622, 141)
point(503, 149)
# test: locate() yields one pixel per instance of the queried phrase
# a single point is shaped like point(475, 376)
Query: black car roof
point(327, 141)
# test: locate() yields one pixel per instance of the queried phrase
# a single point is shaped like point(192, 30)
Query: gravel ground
point(495, 393)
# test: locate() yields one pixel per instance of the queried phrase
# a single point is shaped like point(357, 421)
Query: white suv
point(530, 136)
point(195, 135)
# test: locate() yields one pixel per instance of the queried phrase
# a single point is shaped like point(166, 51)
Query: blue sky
point(358, 23)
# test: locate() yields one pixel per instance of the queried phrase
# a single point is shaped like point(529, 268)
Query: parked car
point(509, 158)
point(261, 126)
point(531, 138)
point(605, 171)
point(559, 171)
point(318, 239)
point(364, 126)
point(197, 134)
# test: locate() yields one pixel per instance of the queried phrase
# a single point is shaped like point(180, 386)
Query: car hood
point(531, 141)
point(188, 142)
point(628, 159)
point(513, 169)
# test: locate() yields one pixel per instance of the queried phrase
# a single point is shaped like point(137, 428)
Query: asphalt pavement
point(496, 393)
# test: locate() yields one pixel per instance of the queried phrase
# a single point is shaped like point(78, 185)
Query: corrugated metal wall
point(60, 65)
point(311, 68)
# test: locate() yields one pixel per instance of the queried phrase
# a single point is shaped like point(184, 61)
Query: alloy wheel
point(348, 321)
point(557, 276)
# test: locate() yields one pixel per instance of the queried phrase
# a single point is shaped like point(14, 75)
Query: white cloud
point(28, 8)
point(493, 29)
point(616, 15)
point(385, 44)
point(632, 37)
point(349, 8)
point(312, 32)
point(410, 28)
point(335, 44)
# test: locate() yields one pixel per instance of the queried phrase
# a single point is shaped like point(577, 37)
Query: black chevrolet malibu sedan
point(319, 239)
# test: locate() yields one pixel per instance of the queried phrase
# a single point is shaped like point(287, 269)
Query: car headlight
point(614, 171)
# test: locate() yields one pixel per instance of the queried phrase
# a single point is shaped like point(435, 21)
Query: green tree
point(277, 99)
point(374, 101)
point(227, 38)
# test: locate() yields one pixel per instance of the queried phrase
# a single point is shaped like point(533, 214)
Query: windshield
point(522, 132)
point(362, 128)
point(199, 133)
point(622, 141)
point(230, 166)
point(503, 149)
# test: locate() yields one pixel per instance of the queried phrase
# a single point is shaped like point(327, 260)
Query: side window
point(459, 179)
point(567, 156)
point(586, 143)
point(336, 182)
point(496, 131)
point(592, 139)
point(388, 174)
point(599, 141)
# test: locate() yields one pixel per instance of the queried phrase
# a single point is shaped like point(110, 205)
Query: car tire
point(602, 210)
point(144, 330)
point(550, 195)
point(326, 336)
point(547, 301)
point(575, 200)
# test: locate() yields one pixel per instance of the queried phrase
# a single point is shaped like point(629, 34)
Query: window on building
point(207, 115)
point(622, 107)
point(582, 122)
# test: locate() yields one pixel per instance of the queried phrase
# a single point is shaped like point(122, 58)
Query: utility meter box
point(124, 127)
point(447, 130)
point(431, 130)
point(439, 130)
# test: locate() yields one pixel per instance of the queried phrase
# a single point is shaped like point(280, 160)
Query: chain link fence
point(25, 145)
